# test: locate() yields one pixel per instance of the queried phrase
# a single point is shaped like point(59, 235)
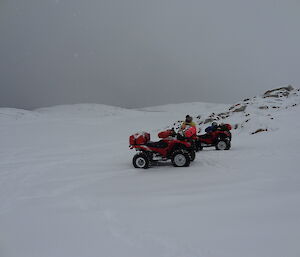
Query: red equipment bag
point(166, 133)
point(225, 127)
point(139, 138)
point(190, 132)
point(228, 126)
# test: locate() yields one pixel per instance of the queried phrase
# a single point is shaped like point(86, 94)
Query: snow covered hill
point(251, 115)
point(68, 188)
point(259, 113)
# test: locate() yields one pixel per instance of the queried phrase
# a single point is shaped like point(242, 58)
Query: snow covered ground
point(68, 188)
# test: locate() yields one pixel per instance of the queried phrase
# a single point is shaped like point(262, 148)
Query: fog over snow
point(141, 53)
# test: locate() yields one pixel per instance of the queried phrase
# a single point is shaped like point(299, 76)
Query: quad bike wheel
point(180, 158)
point(199, 147)
point(141, 161)
point(192, 155)
point(228, 145)
point(223, 144)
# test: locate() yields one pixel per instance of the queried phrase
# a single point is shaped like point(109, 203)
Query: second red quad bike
point(172, 146)
point(220, 138)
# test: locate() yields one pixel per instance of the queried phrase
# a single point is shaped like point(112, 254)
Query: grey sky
point(135, 53)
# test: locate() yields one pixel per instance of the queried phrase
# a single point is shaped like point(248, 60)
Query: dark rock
point(223, 113)
point(241, 109)
point(208, 120)
point(258, 131)
point(263, 107)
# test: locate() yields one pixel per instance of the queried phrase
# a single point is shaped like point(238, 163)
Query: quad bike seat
point(205, 136)
point(159, 144)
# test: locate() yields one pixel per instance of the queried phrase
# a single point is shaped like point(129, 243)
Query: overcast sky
point(135, 53)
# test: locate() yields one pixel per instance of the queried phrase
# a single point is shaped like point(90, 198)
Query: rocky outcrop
point(252, 115)
point(244, 114)
point(278, 92)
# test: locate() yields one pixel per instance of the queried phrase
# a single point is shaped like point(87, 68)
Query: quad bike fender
point(181, 145)
point(141, 148)
point(222, 136)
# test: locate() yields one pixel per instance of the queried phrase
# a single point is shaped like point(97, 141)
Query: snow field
point(68, 188)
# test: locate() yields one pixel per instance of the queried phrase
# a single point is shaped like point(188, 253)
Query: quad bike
point(220, 139)
point(172, 146)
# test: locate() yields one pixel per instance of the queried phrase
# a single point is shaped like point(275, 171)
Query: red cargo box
point(139, 138)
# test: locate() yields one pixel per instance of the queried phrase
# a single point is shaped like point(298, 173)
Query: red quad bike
point(220, 138)
point(172, 146)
